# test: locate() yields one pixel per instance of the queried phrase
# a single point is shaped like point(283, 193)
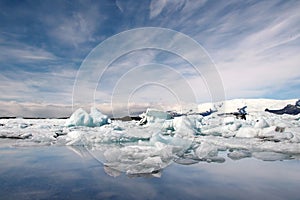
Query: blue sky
point(255, 46)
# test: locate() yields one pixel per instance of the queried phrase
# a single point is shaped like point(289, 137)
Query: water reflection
point(70, 173)
point(136, 160)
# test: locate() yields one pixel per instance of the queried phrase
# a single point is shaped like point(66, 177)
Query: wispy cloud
point(76, 29)
point(254, 44)
point(263, 59)
point(156, 7)
point(18, 52)
point(39, 87)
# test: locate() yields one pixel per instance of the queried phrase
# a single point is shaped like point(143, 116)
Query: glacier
point(160, 139)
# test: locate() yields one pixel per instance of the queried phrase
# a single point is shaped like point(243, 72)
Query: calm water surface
point(58, 172)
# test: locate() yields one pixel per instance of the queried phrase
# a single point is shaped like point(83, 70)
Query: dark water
point(59, 173)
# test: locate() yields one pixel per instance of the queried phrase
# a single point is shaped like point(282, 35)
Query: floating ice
point(23, 125)
point(247, 132)
point(81, 118)
point(206, 150)
point(261, 123)
point(153, 115)
point(239, 154)
point(99, 119)
point(14, 135)
point(270, 156)
point(74, 138)
point(187, 126)
point(177, 143)
point(229, 120)
point(127, 147)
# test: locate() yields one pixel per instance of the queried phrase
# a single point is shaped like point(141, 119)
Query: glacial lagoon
point(61, 172)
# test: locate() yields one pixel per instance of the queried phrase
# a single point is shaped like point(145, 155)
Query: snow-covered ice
point(132, 148)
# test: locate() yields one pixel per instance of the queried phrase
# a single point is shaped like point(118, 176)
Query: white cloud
point(54, 86)
point(254, 44)
point(156, 7)
point(14, 51)
point(77, 28)
point(26, 109)
point(255, 48)
point(124, 77)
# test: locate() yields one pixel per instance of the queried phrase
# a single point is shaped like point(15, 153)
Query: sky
point(254, 46)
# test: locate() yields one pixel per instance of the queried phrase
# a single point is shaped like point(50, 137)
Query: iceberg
point(81, 118)
point(154, 115)
point(98, 118)
point(187, 126)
